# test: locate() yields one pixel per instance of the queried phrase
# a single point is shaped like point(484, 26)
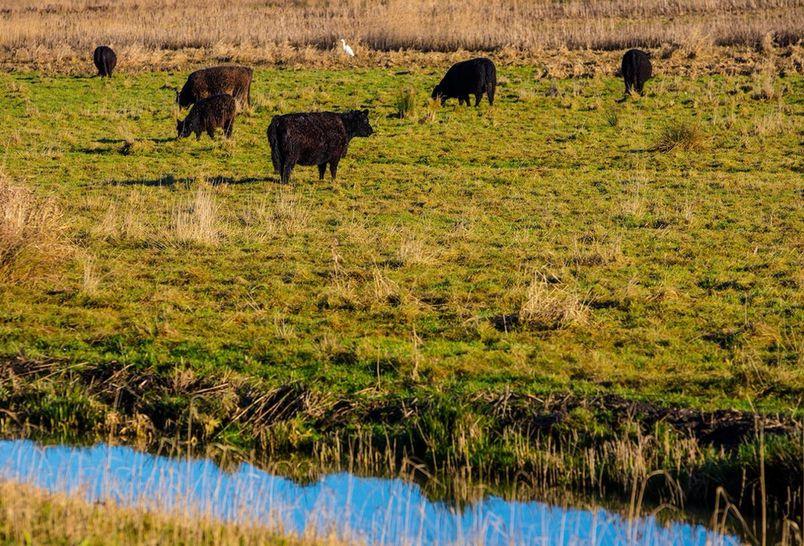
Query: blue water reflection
point(370, 510)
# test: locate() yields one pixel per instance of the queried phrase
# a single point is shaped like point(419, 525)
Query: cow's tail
point(491, 82)
point(273, 140)
point(631, 74)
point(106, 68)
point(248, 87)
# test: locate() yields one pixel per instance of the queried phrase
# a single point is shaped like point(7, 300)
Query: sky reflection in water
point(371, 510)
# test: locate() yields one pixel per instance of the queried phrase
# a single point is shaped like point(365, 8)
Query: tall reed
point(26, 25)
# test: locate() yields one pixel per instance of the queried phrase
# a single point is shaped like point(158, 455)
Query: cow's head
point(182, 128)
point(358, 123)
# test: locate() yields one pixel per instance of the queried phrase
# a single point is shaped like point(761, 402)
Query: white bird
point(346, 48)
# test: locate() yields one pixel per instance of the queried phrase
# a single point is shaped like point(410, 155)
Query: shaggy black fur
point(472, 77)
point(636, 70)
point(314, 138)
point(207, 115)
point(231, 80)
point(105, 60)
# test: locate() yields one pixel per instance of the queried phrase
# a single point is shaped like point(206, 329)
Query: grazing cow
point(231, 80)
point(105, 60)
point(314, 138)
point(472, 77)
point(636, 70)
point(207, 115)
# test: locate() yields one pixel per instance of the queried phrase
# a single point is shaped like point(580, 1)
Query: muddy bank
point(604, 443)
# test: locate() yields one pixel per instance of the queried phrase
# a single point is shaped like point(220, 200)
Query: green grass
point(685, 265)
point(688, 261)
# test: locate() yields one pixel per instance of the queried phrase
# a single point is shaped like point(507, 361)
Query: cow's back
point(469, 75)
point(636, 66)
point(105, 60)
point(217, 80)
point(311, 138)
point(216, 109)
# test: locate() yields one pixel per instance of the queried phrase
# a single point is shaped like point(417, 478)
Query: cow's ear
point(364, 112)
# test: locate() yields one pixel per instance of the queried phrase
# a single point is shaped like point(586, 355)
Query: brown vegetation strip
point(687, 61)
point(425, 25)
point(133, 394)
point(269, 31)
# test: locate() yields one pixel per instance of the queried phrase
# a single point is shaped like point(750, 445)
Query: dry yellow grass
point(549, 306)
point(32, 233)
point(173, 33)
point(196, 222)
point(31, 516)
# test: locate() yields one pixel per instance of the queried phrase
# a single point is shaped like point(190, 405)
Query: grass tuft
point(681, 135)
point(549, 307)
point(196, 222)
point(90, 279)
point(405, 102)
point(764, 84)
point(431, 112)
point(32, 233)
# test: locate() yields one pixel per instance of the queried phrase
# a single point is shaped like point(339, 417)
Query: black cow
point(207, 115)
point(636, 70)
point(472, 77)
point(231, 80)
point(314, 138)
point(105, 60)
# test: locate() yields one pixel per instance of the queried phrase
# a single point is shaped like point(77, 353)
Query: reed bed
point(62, 28)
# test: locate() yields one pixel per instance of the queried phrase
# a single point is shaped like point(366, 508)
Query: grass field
point(556, 244)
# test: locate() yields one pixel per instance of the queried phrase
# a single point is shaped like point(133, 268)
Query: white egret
point(346, 48)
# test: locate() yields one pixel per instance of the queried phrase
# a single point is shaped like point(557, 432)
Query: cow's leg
point(639, 86)
point(478, 95)
point(211, 132)
point(466, 99)
point(286, 168)
point(322, 168)
point(279, 168)
point(333, 168)
point(198, 134)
